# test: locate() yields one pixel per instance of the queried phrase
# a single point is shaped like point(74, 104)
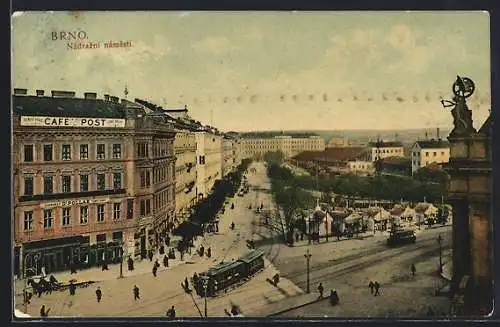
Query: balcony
point(58, 196)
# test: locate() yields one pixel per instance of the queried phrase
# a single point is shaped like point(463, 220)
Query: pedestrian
point(320, 290)
point(371, 286)
point(413, 269)
point(209, 252)
point(157, 264)
point(167, 240)
point(150, 255)
point(72, 288)
point(73, 268)
point(104, 265)
point(186, 283)
point(43, 312)
point(297, 236)
point(98, 294)
point(136, 293)
point(130, 263)
point(171, 312)
point(376, 285)
point(334, 298)
point(165, 261)
point(155, 269)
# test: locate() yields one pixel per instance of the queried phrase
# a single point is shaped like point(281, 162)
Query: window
point(47, 152)
point(66, 184)
point(145, 179)
point(101, 151)
point(66, 216)
point(101, 182)
point(142, 150)
point(66, 152)
point(202, 160)
point(442, 153)
point(427, 154)
point(434, 154)
point(84, 215)
point(84, 151)
point(145, 207)
point(47, 218)
point(100, 212)
point(28, 153)
point(28, 185)
point(117, 151)
point(116, 211)
point(84, 183)
point(130, 208)
point(28, 220)
point(100, 238)
point(48, 184)
point(117, 181)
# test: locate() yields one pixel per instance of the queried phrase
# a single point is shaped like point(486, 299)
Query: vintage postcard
point(251, 164)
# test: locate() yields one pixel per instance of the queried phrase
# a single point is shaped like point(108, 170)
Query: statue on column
point(462, 116)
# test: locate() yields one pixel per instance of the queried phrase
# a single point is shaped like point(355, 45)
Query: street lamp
point(308, 259)
point(205, 287)
point(121, 260)
point(440, 242)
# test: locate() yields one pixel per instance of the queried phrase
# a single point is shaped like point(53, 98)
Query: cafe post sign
point(73, 202)
point(85, 122)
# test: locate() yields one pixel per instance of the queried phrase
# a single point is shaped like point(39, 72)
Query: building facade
point(209, 161)
point(185, 172)
point(383, 149)
point(76, 182)
point(228, 161)
point(424, 153)
point(290, 146)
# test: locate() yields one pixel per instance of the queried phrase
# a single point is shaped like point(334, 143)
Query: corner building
point(78, 170)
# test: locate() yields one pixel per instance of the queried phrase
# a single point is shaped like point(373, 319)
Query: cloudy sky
point(267, 70)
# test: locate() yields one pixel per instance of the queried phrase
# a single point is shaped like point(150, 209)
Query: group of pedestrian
point(374, 288)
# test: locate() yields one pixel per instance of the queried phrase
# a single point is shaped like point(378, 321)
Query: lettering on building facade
point(72, 122)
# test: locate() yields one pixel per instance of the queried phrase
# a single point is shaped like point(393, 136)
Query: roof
point(487, 126)
point(433, 144)
point(396, 161)
point(331, 154)
point(382, 144)
point(252, 255)
point(221, 267)
point(66, 107)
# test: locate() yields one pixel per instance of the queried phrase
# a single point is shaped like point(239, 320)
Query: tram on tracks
point(228, 274)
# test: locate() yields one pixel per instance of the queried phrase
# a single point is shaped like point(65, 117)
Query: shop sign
point(73, 202)
point(85, 122)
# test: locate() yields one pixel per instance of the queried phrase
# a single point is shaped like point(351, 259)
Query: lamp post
point(440, 242)
point(121, 260)
point(308, 259)
point(205, 287)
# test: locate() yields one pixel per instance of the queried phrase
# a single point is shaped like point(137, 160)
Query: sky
point(244, 71)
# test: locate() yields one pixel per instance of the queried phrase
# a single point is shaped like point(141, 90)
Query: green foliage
point(274, 157)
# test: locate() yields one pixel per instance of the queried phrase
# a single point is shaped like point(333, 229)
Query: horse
point(41, 287)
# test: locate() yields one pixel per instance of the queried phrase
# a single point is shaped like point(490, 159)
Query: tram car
point(226, 274)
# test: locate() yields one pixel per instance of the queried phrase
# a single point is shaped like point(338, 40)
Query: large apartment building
point(290, 146)
point(91, 176)
point(424, 153)
point(228, 162)
point(209, 161)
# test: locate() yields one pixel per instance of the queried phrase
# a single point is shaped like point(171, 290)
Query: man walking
point(136, 293)
point(413, 269)
point(155, 269)
point(371, 286)
point(165, 261)
point(320, 290)
point(98, 294)
point(376, 285)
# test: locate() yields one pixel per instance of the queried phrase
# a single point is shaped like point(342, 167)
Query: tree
point(291, 200)
point(274, 157)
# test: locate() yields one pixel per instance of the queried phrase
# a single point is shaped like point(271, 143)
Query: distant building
point(257, 147)
point(228, 161)
point(395, 165)
point(338, 142)
point(339, 160)
point(383, 149)
point(209, 165)
point(424, 153)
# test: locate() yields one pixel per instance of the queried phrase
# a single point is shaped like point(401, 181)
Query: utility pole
point(440, 242)
point(308, 259)
point(205, 287)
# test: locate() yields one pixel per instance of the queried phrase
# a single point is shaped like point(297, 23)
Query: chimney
point(20, 91)
point(63, 94)
point(106, 97)
point(426, 136)
point(437, 133)
point(90, 95)
point(40, 93)
point(114, 99)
